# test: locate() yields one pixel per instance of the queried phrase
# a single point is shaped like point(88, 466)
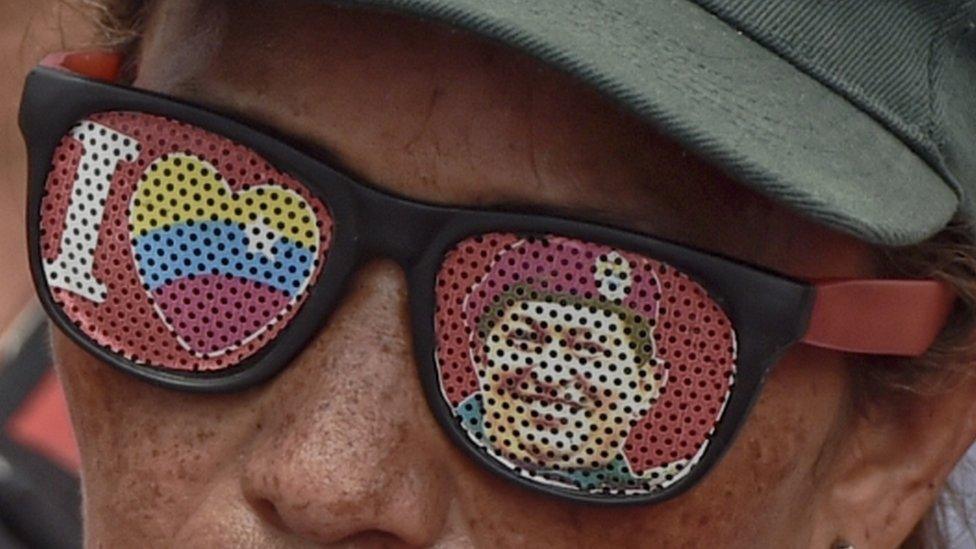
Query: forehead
point(440, 115)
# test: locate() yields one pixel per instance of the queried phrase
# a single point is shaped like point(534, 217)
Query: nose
point(348, 450)
point(557, 368)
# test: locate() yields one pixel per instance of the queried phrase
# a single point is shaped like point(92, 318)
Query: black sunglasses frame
point(768, 311)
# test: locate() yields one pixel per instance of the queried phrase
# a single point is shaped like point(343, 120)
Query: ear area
point(888, 470)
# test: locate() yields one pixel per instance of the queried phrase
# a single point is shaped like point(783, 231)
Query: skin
point(553, 395)
point(341, 448)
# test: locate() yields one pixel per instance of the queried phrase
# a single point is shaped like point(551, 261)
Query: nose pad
point(348, 447)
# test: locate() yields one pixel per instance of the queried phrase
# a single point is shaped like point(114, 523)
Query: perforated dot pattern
point(175, 247)
point(579, 365)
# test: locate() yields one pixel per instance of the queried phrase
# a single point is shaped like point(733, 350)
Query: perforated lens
point(174, 247)
point(581, 366)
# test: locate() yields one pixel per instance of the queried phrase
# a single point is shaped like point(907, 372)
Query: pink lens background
point(126, 322)
point(693, 336)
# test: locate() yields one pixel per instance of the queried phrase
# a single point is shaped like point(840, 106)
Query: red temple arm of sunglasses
point(100, 65)
point(884, 317)
point(889, 317)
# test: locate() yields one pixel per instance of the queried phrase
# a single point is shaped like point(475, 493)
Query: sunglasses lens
point(580, 366)
point(173, 247)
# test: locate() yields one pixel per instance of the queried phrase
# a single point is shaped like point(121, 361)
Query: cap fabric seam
point(935, 67)
point(924, 146)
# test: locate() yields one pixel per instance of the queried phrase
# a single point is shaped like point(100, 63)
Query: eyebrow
point(587, 214)
point(198, 89)
point(194, 86)
point(195, 89)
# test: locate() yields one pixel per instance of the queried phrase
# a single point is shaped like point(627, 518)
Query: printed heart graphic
point(220, 267)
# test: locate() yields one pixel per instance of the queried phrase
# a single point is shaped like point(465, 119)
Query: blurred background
point(39, 497)
point(28, 29)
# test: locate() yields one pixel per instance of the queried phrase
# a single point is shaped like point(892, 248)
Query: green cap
point(860, 114)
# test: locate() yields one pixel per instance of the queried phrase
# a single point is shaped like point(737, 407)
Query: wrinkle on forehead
point(200, 27)
point(439, 115)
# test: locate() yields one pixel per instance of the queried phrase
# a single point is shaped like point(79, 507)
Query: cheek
point(147, 454)
point(769, 472)
point(771, 469)
point(801, 409)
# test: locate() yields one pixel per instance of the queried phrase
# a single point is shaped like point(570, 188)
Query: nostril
point(268, 512)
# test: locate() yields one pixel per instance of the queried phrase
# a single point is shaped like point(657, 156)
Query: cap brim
point(740, 106)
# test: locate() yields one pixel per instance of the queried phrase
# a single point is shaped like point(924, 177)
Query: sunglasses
point(580, 360)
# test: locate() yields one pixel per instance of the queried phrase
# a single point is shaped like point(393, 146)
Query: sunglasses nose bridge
point(398, 229)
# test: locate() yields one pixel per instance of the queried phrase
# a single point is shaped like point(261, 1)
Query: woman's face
point(341, 447)
point(543, 403)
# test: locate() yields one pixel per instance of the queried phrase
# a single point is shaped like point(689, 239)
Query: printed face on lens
point(579, 365)
point(564, 379)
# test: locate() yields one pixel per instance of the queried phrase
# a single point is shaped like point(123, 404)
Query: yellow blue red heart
point(202, 248)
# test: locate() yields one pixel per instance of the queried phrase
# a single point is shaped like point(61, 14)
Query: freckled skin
point(341, 448)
